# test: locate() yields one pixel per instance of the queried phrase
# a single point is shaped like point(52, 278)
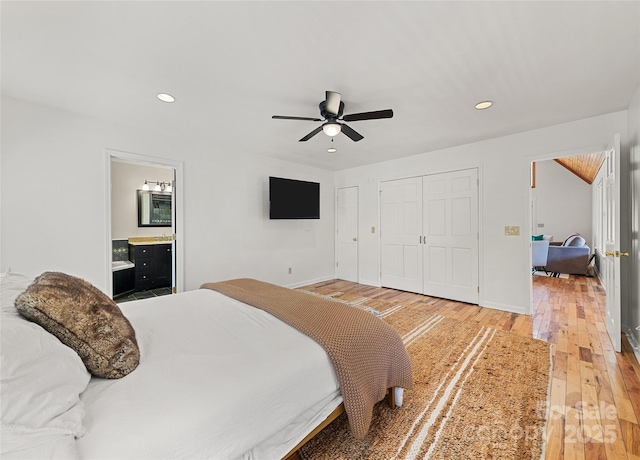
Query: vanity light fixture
point(160, 186)
point(165, 97)
point(484, 105)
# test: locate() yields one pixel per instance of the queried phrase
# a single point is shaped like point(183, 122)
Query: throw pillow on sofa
point(576, 241)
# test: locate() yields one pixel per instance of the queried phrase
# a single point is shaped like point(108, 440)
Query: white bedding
point(217, 379)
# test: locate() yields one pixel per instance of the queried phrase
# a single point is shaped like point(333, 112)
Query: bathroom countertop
point(139, 243)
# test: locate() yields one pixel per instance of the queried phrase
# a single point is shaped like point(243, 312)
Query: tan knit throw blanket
point(367, 353)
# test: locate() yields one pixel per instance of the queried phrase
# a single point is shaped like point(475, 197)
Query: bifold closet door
point(450, 235)
point(400, 234)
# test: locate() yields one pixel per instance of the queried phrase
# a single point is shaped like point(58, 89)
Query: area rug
point(552, 275)
point(479, 393)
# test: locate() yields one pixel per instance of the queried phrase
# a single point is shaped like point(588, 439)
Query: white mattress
point(217, 379)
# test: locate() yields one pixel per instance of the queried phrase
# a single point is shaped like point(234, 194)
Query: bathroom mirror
point(154, 209)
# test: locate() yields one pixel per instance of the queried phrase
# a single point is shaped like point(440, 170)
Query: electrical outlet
point(540, 225)
point(512, 230)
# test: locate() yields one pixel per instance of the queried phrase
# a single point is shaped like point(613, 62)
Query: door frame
point(526, 181)
point(178, 226)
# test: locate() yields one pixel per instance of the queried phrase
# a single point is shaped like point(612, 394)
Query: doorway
point(126, 176)
point(595, 223)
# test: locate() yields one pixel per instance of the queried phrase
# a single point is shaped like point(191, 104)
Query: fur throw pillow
point(85, 319)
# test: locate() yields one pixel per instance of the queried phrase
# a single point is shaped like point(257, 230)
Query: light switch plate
point(512, 230)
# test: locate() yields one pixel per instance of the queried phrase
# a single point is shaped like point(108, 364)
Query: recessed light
point(484, 105)
point(332, 150)
point(164, 97)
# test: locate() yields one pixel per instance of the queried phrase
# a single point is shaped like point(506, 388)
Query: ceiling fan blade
point(311, 134)
point(333, 102)
point(282, 117)
point(388, 113)
point(351, 133)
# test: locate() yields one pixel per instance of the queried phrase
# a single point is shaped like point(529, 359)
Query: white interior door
point(400, 234)
point(450, 235)
point(347, 234)
point(612, 242)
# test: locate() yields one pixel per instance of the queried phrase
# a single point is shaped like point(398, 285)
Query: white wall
point(126, 179)
point(504, 163)
point(53, 171)
point(562, 201)
point(227, 230)
point(632, 243)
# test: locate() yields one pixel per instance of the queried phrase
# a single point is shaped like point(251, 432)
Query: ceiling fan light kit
point(331, 128)
point(331, 110)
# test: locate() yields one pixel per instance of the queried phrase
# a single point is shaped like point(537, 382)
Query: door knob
point(616, 254)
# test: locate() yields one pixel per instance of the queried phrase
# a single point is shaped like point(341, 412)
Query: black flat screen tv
point(293, 199)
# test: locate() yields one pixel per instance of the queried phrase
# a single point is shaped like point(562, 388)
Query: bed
point(217, 378)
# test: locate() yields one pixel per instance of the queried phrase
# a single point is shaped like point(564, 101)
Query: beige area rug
point(479, 393)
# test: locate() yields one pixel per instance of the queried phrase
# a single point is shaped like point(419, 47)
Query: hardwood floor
point(595, 392)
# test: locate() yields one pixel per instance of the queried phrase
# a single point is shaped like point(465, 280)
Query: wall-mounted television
point(293, 199)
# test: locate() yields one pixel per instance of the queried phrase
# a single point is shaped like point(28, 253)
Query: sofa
point(570, 256)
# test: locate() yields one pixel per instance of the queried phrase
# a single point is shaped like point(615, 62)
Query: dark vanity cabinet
point(153, 265)
point(123, 282)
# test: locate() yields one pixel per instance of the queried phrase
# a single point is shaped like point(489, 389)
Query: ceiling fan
point(331, 110)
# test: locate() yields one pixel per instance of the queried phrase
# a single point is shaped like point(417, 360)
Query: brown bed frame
point(391, 398)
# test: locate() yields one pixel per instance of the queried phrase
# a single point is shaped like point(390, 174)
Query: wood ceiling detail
point(586, 167)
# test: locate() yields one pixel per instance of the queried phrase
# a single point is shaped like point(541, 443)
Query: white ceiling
point(232, 65)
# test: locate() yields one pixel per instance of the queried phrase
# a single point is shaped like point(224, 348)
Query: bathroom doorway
point(132, 181)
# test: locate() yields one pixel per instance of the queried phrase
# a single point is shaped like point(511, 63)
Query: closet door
point(400, 234)
point(450, 241)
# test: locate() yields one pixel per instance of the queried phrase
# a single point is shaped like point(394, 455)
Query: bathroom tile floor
point(144, 294)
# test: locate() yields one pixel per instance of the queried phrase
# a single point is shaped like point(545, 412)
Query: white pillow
point(11, 286)
point(41, 381)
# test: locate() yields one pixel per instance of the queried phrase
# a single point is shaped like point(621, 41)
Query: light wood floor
point(595, 393)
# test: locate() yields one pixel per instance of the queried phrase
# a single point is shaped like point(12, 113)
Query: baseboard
point(634, 343)
point(369, 283)
point(505, 307)
point(313, 281)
